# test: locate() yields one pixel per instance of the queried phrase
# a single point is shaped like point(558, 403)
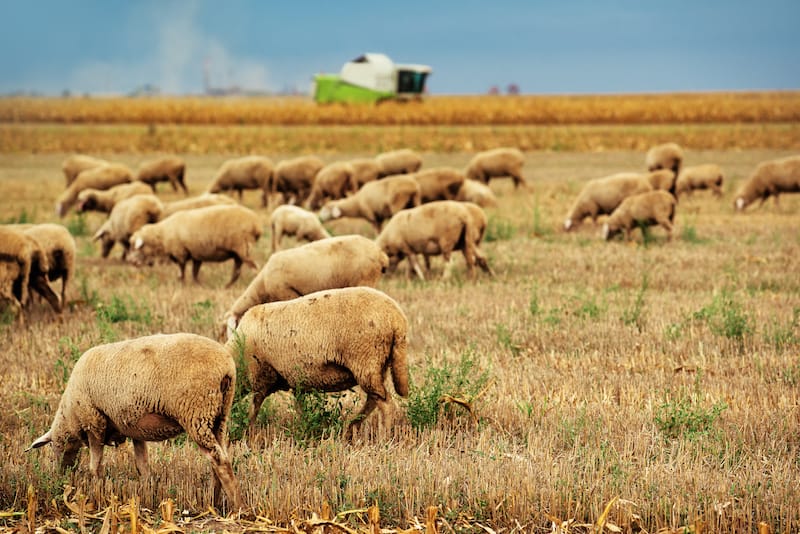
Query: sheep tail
point(398, 354)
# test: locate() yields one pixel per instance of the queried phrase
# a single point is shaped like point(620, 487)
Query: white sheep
point(770, 178)
point(292, 178)
point(401, 161)
point(330, 340)
point(75, 164)
point(294, 220)
point(25, 266)
point(436, 228)
point(125, 218)
point(707, 176)
point(103, 200)
point(343, 261)
point(365, 170)
point(216, 233)
point(201, 201)
point(148, 389)
point(376, 201)
point(600, 196)
point(102, 177)
point(644, 209)
point(478, 193)
point(59, 246)
point(170, 169)
point(497, 163)
point(439, 183)
point(665, 156)
point(333, 181)
point(248, 172)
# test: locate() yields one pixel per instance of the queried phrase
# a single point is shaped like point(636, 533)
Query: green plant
point(533, 303)
point(539, 229)
point(69, 354)
point(633, 315)
point(683, 416)
point(783, 336)
point(317, 415)
point(22, 218)
point(504, 338)
point(588, 307)
point(689, 234)
point(120, 309)
point(78, 226)
point(239, 418)
point(499, 230)
point(202, 312)
point(725, 316)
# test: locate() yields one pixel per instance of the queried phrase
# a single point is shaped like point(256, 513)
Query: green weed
point(633, 315)
point(499, 230)
point(683, 416)
point(725, 316)
point(78, 226)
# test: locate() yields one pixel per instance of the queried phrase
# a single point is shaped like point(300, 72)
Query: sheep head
point(330, 211)
point(144, 247)
point(65, 445)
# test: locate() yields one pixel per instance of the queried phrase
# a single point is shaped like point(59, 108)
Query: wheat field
point(624, 386)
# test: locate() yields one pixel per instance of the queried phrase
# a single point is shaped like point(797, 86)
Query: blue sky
point(545, 47)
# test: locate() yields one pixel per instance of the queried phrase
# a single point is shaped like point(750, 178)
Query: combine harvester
point(371, 78)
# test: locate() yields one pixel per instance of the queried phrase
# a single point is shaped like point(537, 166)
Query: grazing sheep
point(77, 163)
point(665, 156)
point(478, 193)
point(170, 169)
point(436, 228)
point(439, 183)
point(201, 201)
point(402, 161)
point(333, 181)
point(770, 179)
point(248, 172)
point(26, 266)
point(364, 170)
point(59, 246)
point(148, 389)
point(708, 176)
point(497, 163)
point(294, 220)
point(216, 233)
point(644, 209)
point(102, 177)
point(125, 218)
point(104, 200)
point(601, 196)
point(293, 178)
point(344, 261)
point(663, 179)
point(377, 201)
point(330, 340)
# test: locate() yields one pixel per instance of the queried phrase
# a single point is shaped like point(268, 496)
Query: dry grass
point(584, 359)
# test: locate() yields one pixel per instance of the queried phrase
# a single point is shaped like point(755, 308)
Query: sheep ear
point(99, 235)
point(231, 324)
point(139, 243)
point(605, 231)
point(567, 224)
point(41, 441)
point(336, 212)
point(739, 203)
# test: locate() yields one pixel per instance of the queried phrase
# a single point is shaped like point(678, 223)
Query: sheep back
point(170, 169)
point(665, 156)
point(477, 192)
point(333, 181)
point(294, 177)
point(294, 220)
point(248, 172)
point(770, 178)
point(439, 183)
point(202, 201)
point(101, 177)
point(600, 196)
point(401, 161)
point(104, 200)
point(126, 217)
point(496, 163)
point(706, 176)
point(644, 209)
point(75, 164)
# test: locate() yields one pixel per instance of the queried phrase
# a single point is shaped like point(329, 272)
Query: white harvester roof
point(376, 71)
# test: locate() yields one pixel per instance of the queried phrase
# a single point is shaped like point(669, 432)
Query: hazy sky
point(602, 46)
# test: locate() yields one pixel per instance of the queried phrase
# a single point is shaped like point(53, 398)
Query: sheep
point(248, 172)
point(436, 228)
point(600, 196)
point(294, 178)
point(644, 209)
point(330, 340)
point(25, 266)
point(125, 218)
point(439, 183)
point(333, 181)
point(216, 233)
point(496, 163)
point(707, 176)
point(477, 192)
point(201, 201)
point(770, 179)
point(402, 161)
point(102, 177)
point(364, 170)
point(377, 201)
point(59, 246)
point(344, 261)
point(77, 163)
point(104, 200)
point(665, 156)
point(294, 220)
point(150, 388)
point(170, 169)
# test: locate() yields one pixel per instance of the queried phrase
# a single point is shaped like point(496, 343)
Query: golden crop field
point(650, 386)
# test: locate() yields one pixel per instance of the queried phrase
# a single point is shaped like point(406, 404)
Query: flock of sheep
point(155, 387)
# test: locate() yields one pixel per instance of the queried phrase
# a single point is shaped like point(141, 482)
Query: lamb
point(601, 196)
point(148, 389)
point(436, 228)
point(330, 340)
point(402, 161)
point(334, 181)
point(77, 163)
point(708, 176)
point(102, 177)
point(377, 201)
point(248, 172)
point(125, 218)
point(478, 193)
point(104, 200)
point(294, 178)
point(170, 169)
point(665, 156)
point(439, 183)
point(294, 220)
point(24, 265)
point(497, 163)
point(201, 201)
point(770, 179)
point(60, 249)
point(216, 233)
point(344, 261)
point(364, 170)
point(644, 209)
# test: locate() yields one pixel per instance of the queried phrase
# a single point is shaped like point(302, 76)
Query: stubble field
point(647, 385)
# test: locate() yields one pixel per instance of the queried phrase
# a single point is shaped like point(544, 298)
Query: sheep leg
point(222, 468)
point(140, 457)
point(237, 269)
point(107, 246)
point(355, 423)
point(412, 260)
point(95, 452)
point(482, 262)
point(40, 285)
point(276, 239)
point(196, 270)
